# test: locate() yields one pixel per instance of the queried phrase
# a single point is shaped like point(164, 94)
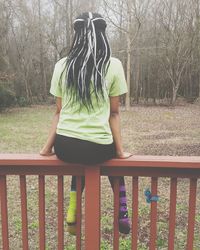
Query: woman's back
point(91, 125)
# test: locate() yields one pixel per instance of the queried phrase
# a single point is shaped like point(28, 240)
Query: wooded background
point(158, 42)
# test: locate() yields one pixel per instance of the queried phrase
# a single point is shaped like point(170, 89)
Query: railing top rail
point(192, 162)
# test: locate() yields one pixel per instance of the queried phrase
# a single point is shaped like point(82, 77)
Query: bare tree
point(158, 42)
point(133, 13)
point(177, 40)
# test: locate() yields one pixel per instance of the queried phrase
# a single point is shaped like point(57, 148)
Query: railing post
point(92, 208)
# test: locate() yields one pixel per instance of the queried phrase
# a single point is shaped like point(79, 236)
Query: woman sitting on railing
point(86, 127)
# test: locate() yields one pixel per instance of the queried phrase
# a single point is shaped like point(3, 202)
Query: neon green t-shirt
point(93, 126)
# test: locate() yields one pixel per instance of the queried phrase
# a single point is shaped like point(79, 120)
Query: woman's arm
point(47, 149)
point(115, 127)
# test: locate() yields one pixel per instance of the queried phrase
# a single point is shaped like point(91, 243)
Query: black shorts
point(74, 150)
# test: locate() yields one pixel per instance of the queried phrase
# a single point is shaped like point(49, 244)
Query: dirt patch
point(162, 131)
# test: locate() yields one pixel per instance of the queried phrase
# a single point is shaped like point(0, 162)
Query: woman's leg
point(71, 212)
point(124, 224)
point(65, 149)
point(73, 183)
point(71, 217)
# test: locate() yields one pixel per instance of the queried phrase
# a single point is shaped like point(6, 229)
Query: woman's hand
point(46, 152)
point(123, 155)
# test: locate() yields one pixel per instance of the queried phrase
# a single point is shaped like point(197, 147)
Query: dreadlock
point(87, 60)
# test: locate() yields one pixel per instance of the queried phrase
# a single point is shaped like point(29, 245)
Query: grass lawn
point(145, 130)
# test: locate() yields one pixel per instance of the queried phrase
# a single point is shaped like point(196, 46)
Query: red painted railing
point(136, 166)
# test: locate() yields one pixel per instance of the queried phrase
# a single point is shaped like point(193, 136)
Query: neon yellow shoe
point(71, 214)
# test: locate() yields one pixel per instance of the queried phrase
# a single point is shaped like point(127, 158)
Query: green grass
point(145, 130)
point(24, 129)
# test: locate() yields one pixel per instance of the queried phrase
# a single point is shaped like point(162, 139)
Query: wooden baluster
point(4, 212)
point(24, 212)
point(116, 214)
point(42, 212)
point(153, 229)
point(191, 213)
point(60, 214)
point(79, 211)
point(134, 212)
point(172, 213)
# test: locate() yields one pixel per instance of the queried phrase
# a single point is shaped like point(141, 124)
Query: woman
point(86, 127)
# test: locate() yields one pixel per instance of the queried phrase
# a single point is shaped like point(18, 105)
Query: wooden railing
point(136, 166)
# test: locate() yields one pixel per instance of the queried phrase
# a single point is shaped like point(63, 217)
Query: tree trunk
point(148, 80)
point(128, 68)
point(42, 73)
point(199, 82)
point(190, 83)
point(55, 16)
point(174, 94)
point(173, 98)
point(137, 79)
point(198, 39)
point(70, 21)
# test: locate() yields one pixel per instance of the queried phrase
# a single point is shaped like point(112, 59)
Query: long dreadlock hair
point(88, 60)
